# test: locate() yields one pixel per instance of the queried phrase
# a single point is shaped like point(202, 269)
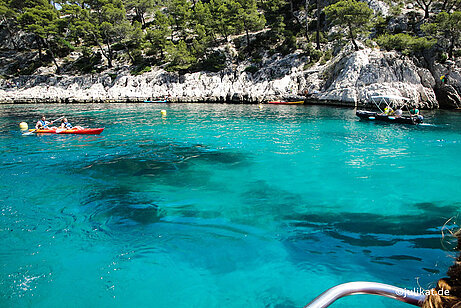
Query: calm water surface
point(221, 205)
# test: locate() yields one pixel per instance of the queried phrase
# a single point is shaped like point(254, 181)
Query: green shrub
point(88, 61)
point(316, 55)
point(137, 56)
point(140, 69)
point(328, 55)
point(64, 47)
point(214, 62)
point(179, 57)
point(380, 25)
point(396, 10)
point(443, 57)
point(251, 69)
point(308, 65)
point(289, 44)
point(404, 43)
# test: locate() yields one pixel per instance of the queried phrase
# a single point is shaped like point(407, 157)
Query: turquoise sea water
point(221, 205)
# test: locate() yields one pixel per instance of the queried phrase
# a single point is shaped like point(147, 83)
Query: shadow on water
point(160, 159)
point(267, 200)
point(121, 206)
point(125, 188)
point(388, 242)
point(368, 230)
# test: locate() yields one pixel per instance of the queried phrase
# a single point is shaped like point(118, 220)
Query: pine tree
point(447, 29)
point(250, 19)
point(42, 21)
point(354, 16)
point(158, 32)
point(8, 18)
point(140, 7)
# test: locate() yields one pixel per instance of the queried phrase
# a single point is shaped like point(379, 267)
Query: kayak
point(287, 103)
point(85, 131)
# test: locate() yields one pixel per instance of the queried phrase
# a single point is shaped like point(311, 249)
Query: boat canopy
point(390, 97)
point(387, 100)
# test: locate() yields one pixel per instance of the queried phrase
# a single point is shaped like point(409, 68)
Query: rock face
point(351, 78)
point(448, 97)
point(448, 91)
point(368, 72)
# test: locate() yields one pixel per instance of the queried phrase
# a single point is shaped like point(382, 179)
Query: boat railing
point(363, 287)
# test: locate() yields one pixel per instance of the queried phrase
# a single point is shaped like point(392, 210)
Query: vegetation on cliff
point(191, 35)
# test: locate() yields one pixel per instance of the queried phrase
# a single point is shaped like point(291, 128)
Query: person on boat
point(43, 124)
point(388, 111)
point(414, 112)
point(398, 113)
point(66, 125)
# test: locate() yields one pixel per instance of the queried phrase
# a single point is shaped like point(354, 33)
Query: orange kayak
point(287, 103)
point(85, 131)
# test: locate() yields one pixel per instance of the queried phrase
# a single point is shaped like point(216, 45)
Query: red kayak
point(85, 131)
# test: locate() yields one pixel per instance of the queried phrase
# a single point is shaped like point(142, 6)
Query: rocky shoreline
point(349, 79)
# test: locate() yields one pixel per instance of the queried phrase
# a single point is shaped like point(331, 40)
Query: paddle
point(33, 131)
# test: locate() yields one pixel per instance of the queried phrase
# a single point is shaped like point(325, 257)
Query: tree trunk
point(307, 21)
point(110, 53)
point(248, 36)
point(39, 45)
point(293, 13)
point(128, 52)
point(451, 47)
point(10, 33)
point(45, 42)
point(106, 55)
point(317, 36)
point(351, 35)
point(422, 4)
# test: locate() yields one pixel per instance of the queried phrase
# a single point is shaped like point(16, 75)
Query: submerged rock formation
point(350, 79)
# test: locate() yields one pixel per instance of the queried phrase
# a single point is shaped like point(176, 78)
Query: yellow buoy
point(260, 106)
point(23, 126)
point(163, 112)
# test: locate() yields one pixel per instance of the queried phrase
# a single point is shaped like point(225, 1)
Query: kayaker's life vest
point(414, 111)
point(67, 125)
point(44, 125)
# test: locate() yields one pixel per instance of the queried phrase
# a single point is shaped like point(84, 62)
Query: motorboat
point(386, 113)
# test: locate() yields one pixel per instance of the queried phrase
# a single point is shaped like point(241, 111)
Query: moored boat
point(85, 131)
point(386, 114)
point(370, 115)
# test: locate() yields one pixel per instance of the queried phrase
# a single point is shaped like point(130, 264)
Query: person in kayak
point(43, 124)
point(66, 125)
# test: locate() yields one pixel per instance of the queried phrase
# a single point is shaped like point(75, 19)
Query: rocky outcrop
point(448, 97)
point(448, 84)
point(350, 78)
point(366, 73)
